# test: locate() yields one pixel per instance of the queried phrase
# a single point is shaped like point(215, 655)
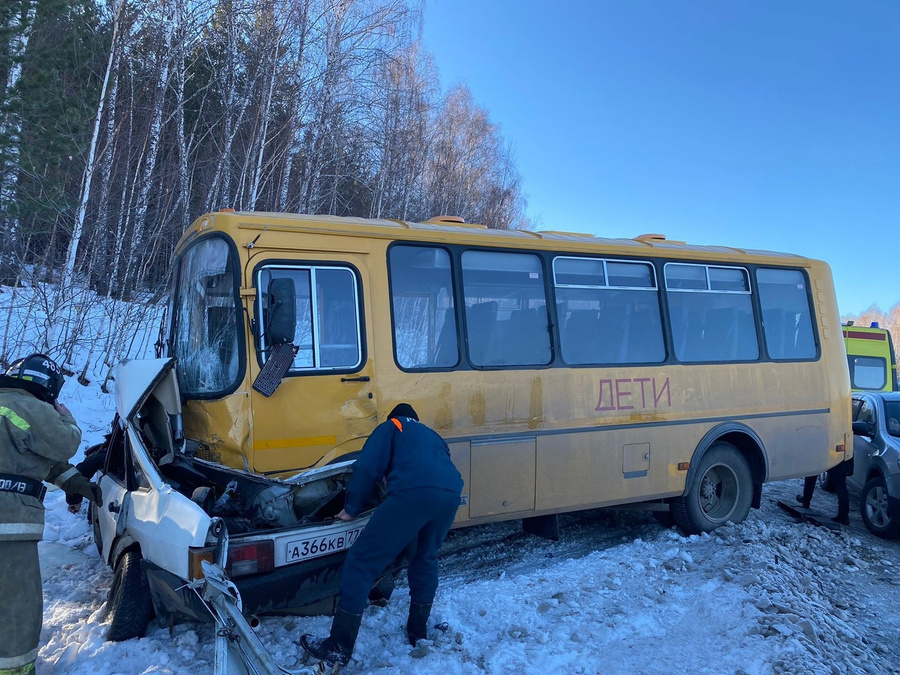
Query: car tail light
point(243, 559)
point(251, 558)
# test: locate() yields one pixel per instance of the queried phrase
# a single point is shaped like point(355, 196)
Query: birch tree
point(16, 19)
point(144, 185)
point(65, 290)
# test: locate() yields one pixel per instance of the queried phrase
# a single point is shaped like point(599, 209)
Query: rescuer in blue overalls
point(423, 491)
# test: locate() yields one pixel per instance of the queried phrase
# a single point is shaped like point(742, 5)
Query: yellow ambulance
point(870, 354)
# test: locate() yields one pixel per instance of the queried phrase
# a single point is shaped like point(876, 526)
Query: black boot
point(417, 624)
point(803, 502)
point(842, 518)
point(337, 648)
point(809, 487)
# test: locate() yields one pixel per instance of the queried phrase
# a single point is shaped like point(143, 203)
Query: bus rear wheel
point(720, 490)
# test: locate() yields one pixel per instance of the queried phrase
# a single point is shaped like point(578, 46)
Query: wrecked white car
point(162, 506)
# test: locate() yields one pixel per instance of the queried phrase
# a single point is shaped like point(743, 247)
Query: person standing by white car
point(38, 435)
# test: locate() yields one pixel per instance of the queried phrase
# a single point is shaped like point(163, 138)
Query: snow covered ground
point(618, 594)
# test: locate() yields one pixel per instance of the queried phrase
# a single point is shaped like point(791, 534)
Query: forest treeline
point(123, 120)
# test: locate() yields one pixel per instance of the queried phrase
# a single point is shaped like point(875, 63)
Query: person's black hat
point(404, 410)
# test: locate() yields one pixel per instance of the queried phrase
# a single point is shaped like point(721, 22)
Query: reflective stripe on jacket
point(36, 442)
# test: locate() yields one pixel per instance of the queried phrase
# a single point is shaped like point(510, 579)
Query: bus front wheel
point(720, 490)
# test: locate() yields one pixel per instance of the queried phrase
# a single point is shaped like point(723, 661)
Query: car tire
point(720, 490)
point(826, 482)
point(875, 510)
point(382, 591)
point(129, 605)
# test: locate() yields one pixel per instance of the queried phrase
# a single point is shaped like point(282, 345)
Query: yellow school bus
point(870, 355)
point(565, 371)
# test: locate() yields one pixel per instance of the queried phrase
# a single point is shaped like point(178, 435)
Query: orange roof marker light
point(651, 237)
point(226, 210)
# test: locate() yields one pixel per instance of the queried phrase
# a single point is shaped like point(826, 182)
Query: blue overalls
point(423, 491)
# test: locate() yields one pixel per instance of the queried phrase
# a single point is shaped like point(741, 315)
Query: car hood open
point(135, 381)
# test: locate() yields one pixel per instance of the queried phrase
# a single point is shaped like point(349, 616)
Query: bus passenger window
point(711, 313)
point(787, 322)
point(608, 311)
point(422, 307)
point(506, 309)
point(481, 320)
point(327, 333)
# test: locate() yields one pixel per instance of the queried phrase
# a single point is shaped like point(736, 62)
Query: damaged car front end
point(164, 509)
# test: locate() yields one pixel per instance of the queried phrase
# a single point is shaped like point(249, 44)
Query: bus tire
point(876, 511)
point(720, 491)
point(129, 605)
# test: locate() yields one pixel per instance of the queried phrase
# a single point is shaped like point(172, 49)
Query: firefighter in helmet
point(38, 436)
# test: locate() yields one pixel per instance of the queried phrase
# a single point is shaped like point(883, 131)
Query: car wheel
point(875, 510)
point(129, 605)
point(382, 590)
point(826, 482)
point(720, 491)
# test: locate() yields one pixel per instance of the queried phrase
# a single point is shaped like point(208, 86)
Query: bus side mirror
point(860, 428)
point(282, 319)
point(280, 325)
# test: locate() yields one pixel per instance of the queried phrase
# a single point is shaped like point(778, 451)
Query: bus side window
point(687, 326)
point(786, 314)
point(581, 337)
point(527, 341)
point(774, 324)
point(802, 344)
point(613, 333)
point(422, 307)
point(481, 319)
point(720, 334)
point(706, 303)
point(646, 337)
point(447, 351)
point(613, 311)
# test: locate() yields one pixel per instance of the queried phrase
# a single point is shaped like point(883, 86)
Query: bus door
point(325, 406)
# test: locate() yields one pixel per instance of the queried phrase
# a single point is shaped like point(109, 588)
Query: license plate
point(313, 547)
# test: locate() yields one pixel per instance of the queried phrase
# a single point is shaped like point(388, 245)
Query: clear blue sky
point(769, 124)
